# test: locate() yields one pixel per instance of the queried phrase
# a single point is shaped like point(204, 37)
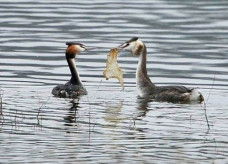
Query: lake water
point(187, 45)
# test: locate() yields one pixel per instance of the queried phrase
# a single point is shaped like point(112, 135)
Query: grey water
point(187, 45)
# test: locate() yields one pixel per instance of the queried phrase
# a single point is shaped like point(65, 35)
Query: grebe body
point(74, 87)
point(146, 88)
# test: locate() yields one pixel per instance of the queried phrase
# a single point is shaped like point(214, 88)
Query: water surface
point(187, 45)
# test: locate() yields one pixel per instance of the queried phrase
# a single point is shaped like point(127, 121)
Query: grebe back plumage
point(74, 87)
point(148, 89)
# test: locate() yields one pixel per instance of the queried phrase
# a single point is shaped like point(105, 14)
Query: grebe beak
point(122, 46)
point(90, 48)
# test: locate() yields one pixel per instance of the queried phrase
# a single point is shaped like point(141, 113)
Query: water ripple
point(187, 45)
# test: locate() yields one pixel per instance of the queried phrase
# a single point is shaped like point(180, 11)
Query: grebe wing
point(172, 93)
point(174, 89)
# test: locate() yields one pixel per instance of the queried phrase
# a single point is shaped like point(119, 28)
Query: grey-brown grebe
point(74, 87)
point(146, 88)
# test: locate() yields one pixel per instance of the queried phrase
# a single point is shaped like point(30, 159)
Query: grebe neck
point(143, 79)
point(75, 78)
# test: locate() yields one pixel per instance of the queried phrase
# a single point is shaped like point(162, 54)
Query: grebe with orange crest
point(74, 87)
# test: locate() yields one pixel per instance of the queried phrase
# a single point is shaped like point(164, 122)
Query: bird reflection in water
point(143, 106)
point(72, 117)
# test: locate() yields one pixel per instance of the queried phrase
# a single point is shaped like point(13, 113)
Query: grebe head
point(75, 48)
point(134, 45)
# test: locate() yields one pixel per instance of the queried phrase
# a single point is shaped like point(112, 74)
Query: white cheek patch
point(131, 46)
point(80, 48)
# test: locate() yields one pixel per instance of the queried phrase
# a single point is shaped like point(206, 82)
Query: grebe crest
point(146, 88)
point(74, 87)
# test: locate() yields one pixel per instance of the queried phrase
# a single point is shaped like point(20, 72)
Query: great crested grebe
point(74, 87)
point(147, 89)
